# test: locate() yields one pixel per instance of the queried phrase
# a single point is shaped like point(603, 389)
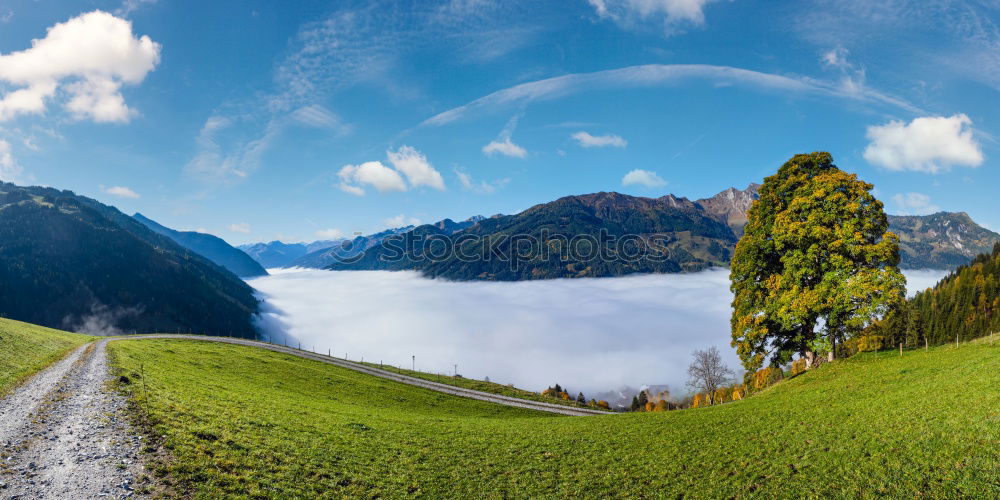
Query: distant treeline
point(962, 307)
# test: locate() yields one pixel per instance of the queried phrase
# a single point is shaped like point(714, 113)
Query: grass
point(25, 349)
point(481, 385)
point(247, 422)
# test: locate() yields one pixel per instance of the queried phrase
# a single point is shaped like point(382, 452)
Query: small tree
point(643, 399)
point(708, 373)
point(580, 399)
point(635, 403)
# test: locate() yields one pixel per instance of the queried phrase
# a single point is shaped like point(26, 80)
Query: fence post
point(900, 348)
point(927, 345)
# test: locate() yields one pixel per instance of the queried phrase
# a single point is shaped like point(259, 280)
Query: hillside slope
point(70, 262)
point(247, 422)
point(209, 246)
point(26, 349)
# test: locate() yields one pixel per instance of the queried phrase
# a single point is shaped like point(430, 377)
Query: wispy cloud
point(10, 171)
point(652, 75)
point(480, 187)
point(914, 204)
point(671, 14)
point(240, 227)
point(586, 140)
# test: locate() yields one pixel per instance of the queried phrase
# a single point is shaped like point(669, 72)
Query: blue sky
point(302, 120)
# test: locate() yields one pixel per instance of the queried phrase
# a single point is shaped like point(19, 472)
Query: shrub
point(798, 366)
point(722, 395)
point(699, 401)
point(765, 378)
point(603, 404)
point(739, 391)
point(870, 343)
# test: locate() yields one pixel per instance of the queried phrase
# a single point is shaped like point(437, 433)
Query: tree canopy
point(816, 263)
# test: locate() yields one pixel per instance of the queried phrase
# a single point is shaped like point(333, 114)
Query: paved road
point(426, 384)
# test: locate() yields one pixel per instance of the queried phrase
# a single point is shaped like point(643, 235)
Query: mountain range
point(693, 235)
point(211, 247)
point(67, 261)
point(276, 254)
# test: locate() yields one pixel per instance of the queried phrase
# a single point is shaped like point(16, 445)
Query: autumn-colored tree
point(815, 251)
point(661, 405)
point(603, 404)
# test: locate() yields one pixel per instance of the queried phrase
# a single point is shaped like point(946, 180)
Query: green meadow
point(246, 422)
point(26, 349)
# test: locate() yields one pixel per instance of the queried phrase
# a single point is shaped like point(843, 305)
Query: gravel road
point(426, 384)
point(63, 433)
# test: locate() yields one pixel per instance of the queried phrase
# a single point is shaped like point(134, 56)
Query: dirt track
point(64, 435)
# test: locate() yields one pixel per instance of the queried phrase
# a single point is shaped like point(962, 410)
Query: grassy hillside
point(478, 385)
point(251, 422)
point(26, 349)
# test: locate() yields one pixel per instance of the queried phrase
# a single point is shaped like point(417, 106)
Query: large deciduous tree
point(815, 264)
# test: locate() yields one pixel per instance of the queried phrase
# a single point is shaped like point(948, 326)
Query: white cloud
point(503, 143)
point(120, 191)
point(96, 52)
point(400, 221)
point(240, 227)
point(670, 12)
point(481, 187)
point(372, 173)
point(416, 168)
point(349, 189)
point(406, 161)
point(639, 177)
point(505, 147)
point(929, 144)
point(586, 140)
point(651, 75)
point(9, 169)
point(330, 234)
point(915, 204)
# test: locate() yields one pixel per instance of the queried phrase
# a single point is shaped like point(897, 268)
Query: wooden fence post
point(900, 348)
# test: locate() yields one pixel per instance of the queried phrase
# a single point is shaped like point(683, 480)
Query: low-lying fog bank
point(587, 334)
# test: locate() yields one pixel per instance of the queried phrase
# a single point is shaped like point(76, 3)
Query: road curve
point(426, 384)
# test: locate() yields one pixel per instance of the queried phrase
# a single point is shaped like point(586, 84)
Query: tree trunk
point(810, 359)
point(833, 347)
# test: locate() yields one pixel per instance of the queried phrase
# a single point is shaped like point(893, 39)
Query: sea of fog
point(590, 335)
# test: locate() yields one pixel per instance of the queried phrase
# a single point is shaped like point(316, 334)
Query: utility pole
point(414, 361)
point(456, 370)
